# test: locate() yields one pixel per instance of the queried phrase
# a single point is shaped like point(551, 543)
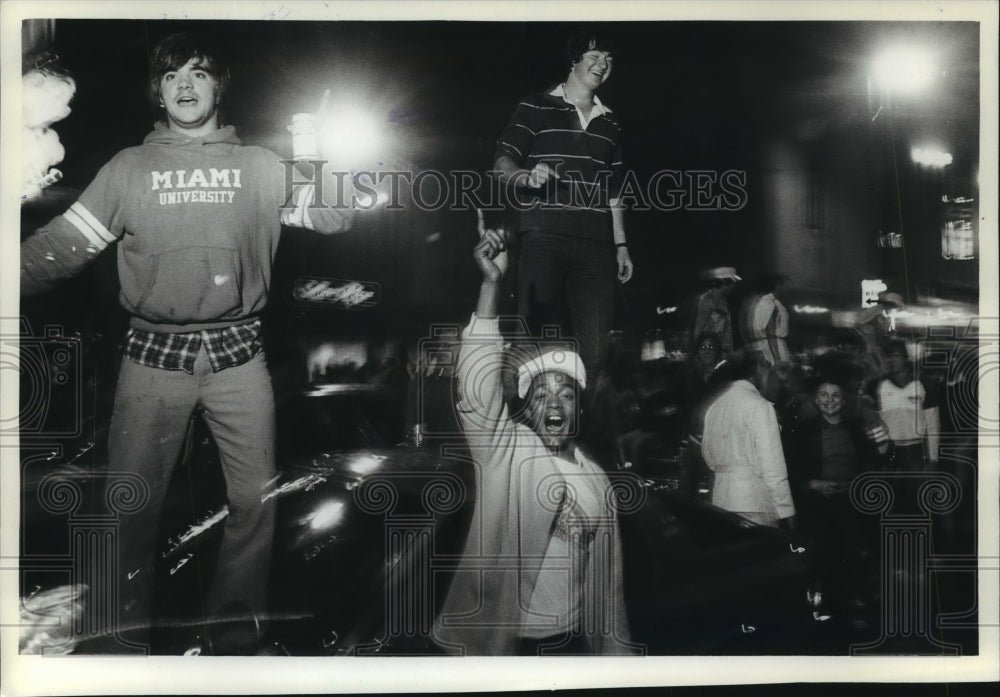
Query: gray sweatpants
point(148, 427)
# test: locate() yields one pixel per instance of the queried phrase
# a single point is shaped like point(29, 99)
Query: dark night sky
point(691, 95)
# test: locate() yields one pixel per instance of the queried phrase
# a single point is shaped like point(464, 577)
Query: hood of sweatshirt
point(164, 135)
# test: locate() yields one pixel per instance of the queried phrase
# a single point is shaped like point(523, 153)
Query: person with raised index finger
point(540, 570)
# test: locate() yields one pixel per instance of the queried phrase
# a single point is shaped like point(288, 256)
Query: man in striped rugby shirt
point(562, 150)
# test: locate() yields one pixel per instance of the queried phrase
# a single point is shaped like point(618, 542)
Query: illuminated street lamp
point(903, 70)
point(339, 131)
point(349, 135)
point(900, 71)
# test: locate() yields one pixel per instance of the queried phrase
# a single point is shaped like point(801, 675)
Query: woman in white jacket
point(541, 568)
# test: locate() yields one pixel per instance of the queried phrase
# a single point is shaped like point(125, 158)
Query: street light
point(898, 72)
point(903, 70)
point(349, 135)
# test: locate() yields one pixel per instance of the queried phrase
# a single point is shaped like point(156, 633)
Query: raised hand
point(491, 252)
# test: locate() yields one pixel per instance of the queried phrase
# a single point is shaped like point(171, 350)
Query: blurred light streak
point(931, 157)
point(327, 515)
point(366, 464)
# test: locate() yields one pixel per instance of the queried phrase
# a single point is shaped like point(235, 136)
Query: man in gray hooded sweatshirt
point(196, 218)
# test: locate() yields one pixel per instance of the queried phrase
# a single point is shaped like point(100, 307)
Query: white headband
point(559, 361)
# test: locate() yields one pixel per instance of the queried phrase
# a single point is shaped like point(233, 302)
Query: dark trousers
point(910, 468)
point(569, 282)
point(840, 544)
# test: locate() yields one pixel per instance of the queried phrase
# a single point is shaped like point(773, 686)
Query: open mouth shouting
point(554, 423)
point(552, 409)
point(554, 427)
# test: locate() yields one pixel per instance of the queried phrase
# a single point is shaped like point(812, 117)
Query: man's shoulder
point(885, 384)
point(129, 156)
point(609, 117)
point(912, 383)
point(729, 391)
point(137, 150)
point(743, 385)
point(257, 158)
point(734, 392)
point(745, 392)
point(542, 99)
point(258, 151)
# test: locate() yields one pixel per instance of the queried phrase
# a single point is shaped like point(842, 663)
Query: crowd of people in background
point(776, 426)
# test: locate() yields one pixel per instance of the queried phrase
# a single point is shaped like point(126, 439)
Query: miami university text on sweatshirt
point(196, 220)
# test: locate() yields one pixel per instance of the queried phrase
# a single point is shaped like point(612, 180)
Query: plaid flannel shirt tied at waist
point(227, 347)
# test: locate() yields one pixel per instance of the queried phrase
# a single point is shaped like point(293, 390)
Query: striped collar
point(599, 108)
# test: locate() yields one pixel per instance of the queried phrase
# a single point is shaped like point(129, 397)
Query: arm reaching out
point(69, 242)
point(481, 408)
point(332, 213)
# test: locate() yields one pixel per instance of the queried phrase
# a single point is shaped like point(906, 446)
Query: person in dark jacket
point(707, 372)
point(825, 453)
